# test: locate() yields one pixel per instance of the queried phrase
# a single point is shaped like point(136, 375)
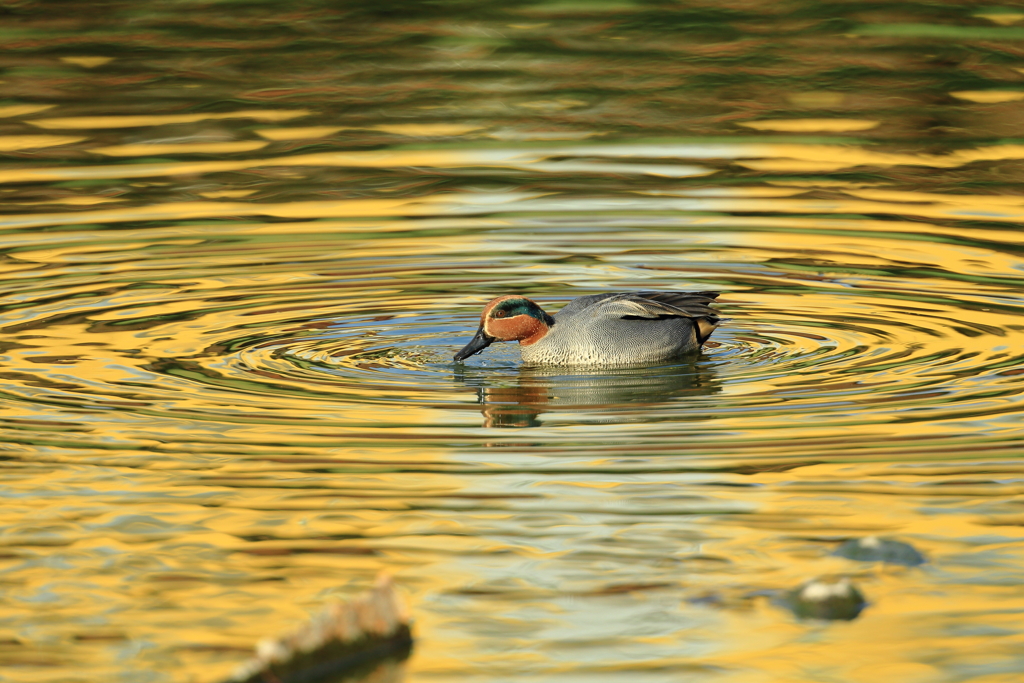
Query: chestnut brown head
point(508, 318)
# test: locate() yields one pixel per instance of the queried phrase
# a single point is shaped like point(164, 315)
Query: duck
point(621, 328)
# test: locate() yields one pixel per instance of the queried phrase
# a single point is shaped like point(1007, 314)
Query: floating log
point(345, 637)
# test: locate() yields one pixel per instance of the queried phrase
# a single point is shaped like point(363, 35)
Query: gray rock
point(874, 549)
point(826, 598)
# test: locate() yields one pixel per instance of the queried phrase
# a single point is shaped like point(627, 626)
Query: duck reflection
point(519, 398)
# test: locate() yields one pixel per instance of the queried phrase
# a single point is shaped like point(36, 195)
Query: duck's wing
point(645, 305)
point(651, 306)
point(583, 302)
point(694, 304)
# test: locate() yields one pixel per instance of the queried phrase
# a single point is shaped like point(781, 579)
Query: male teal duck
point(600, 329)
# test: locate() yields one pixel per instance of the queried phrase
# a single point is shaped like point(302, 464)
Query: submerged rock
point(874, 549)
point(829, 599)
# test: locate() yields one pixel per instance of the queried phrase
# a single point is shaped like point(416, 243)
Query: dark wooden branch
point(347, 636)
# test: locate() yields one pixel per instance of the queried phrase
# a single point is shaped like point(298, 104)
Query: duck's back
point(626, 328)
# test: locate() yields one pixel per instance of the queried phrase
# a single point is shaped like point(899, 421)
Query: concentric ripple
point(879, 361)
point(810, 353)
point(814, 341)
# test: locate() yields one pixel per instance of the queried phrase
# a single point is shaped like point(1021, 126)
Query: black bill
point(477, 344)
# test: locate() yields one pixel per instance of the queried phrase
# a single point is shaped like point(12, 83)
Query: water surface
point(241, 243)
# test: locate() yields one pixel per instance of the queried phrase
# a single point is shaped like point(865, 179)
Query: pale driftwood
point(344, 636)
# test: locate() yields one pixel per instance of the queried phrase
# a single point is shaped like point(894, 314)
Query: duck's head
point(508, 318)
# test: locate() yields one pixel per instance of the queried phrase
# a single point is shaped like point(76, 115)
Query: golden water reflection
point(240, 249)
